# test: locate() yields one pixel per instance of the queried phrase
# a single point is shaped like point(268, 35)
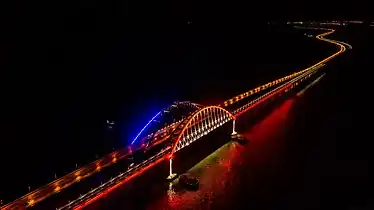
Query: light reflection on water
point(233, 176)
point(213, 172)
point(228, 173)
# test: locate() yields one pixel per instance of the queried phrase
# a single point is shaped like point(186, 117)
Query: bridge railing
point(291, 83)
point(116, 181)
point(277, 82)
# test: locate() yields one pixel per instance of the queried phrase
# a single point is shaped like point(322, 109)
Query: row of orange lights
point(275, 82)
point(262, 87)
point(264, 97)
point(78, 177)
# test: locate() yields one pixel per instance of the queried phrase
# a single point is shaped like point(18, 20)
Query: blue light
point(145, 127)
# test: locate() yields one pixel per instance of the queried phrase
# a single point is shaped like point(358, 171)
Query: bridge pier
point(233, 128)
point(171, 174)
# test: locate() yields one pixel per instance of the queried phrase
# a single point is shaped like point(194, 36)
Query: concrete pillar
point(233, 128)
point(171, 175)
point(171, 167)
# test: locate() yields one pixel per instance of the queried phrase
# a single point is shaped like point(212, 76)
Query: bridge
point(174, 128)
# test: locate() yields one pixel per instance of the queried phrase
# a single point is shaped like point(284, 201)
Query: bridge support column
point(171, 166)
point(171, 174)
point(233, 128)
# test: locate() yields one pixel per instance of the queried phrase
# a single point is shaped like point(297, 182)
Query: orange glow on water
point(271, 124)
point(234, 166)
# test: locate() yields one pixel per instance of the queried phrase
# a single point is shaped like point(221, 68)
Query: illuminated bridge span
point(152, 134)
point(339, 44)
point(199, 124)
point(164, 123)
point(170, 130)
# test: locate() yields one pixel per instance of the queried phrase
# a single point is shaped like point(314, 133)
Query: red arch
point(190, 120)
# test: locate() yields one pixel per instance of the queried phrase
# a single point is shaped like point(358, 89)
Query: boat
point(189, 182)
point(239, 138)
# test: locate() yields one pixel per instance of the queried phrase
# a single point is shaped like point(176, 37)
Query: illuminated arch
point(175, 104)
point(187, 122)
point(141, 131)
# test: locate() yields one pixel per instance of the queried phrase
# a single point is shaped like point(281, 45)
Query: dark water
point(66, 74)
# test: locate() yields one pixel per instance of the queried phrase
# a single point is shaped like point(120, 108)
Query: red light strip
point(260, 101)
point(189, 122)
point(100, 195)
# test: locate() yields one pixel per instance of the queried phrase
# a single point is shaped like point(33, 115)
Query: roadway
point(90, 169)
point(339, 44)
point(82, 173)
